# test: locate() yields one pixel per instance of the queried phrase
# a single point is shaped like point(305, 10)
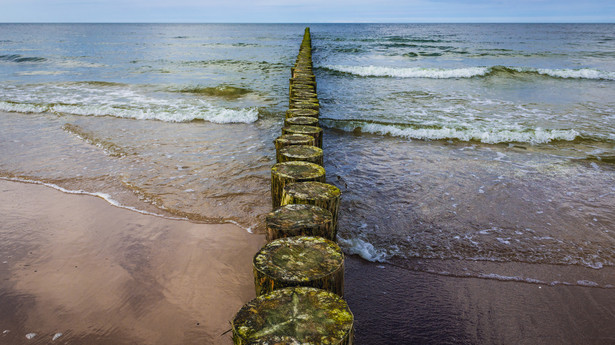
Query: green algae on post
point(299, 261)
point(314, 131)
point(304, 153)
point(290, 140)
point(299, 220)
point(289, 172)
point(302, 112)
point(301, 120)
point(294, 315)
point(319, 194)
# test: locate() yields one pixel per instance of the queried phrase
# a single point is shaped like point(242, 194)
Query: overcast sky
point(307, 11)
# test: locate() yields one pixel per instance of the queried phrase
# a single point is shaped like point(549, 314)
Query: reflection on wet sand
point(100, 274)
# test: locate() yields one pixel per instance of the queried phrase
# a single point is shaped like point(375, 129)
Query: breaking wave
point(488, 135)
point(470, 72)
point(21, 59)
point(118, 100)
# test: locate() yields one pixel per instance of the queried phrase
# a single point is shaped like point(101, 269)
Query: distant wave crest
point(487, 136)
point(119, 100)
point(469, 72)
point(21, 59)
point(205, 112)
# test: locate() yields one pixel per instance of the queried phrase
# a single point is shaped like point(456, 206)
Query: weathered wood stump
point(290, 140)
point(301, 120)
point(319, 194)
point(302, 112)
point(303, 80)
point(299, 261)
point(299, 220)
point(313, 131)
point(294, 316)
point(304, 153)
point(302, 95)
point(304, 105)
point(290, 172)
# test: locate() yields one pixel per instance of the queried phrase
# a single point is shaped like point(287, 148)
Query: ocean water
point(472, 150)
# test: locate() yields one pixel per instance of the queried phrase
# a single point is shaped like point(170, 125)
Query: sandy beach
point(100, 274)
point(97, 274)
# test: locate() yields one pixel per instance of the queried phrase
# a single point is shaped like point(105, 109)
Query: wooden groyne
point(299, 273)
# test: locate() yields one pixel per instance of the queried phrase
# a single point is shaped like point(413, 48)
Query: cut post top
point(312, 190)
point(299, 259)
point(297, 170)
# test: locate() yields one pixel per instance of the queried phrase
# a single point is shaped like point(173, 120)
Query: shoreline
point(98, 274)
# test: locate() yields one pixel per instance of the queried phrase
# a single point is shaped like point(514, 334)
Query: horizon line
point(304, 23)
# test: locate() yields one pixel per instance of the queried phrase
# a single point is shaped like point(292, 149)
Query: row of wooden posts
point(299, 273)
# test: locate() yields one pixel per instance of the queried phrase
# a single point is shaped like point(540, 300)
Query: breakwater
point(299, 273)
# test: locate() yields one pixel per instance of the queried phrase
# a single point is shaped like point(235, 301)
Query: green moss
point(302, 129)
point(301, 152)
point(292, 218)
point(302, 112)
point(301, 121)
point(298, 170)
point(297, 315)
point(299, 259)
point(312, 190)
point(293, 139)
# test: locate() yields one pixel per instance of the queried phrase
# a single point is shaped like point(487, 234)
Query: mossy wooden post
point(299, 261)
point(301, 121)
point(302, 113)
point(304, 153)
point(314, 131)
point(290, 140)
point(299, 220)
point(289, 172)
point(294, 315)
point(319, 194)
point(304, 105)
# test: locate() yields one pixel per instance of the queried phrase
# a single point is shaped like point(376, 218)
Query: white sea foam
point(22, 108)
point(488, 136)
point(364, 249)
point(411, 72)
point(467, 72)
point(119, 101)
point(103, 196)
point(584, 73)
point(111, 201)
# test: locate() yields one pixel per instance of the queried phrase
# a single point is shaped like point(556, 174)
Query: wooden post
point(299, 220)
point(291, 139)
point(296, 104)
point(304, 153)
point(314, 131)
point(289, 172)
point(301, 120)
point(319, 194)
point(299, 261)
point(302, 112)
point(294, 315)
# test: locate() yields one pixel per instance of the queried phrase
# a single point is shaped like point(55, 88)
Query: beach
point(475, 163)
point(98, 274)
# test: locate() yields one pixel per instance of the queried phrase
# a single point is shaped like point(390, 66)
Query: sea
point(464, 150)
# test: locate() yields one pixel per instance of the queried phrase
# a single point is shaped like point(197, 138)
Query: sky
point(307, 11)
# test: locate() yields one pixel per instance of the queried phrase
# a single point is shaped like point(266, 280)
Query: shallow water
point(458, 147)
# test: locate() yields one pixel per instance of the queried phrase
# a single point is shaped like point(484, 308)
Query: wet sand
point(393, 305)
point(98, 274)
